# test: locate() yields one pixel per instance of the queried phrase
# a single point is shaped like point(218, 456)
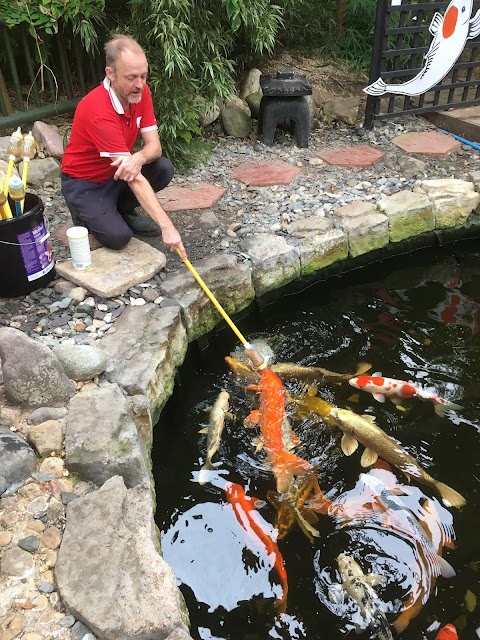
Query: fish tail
point(377, 88)
point(449, 496)
point(442, 407)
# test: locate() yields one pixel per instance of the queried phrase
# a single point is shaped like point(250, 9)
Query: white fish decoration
point(450, 33)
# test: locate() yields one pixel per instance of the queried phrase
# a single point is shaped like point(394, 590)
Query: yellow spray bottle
point(28, 153)
point(5, 211)
point(14, 150)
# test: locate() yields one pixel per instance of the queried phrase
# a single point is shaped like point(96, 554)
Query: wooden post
point(5, 96)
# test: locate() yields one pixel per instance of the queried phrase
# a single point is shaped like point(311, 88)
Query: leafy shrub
point(193, 49)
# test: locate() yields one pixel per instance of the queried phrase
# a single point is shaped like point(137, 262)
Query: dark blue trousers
point(101, 205)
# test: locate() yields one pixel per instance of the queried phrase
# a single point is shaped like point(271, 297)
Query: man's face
point(128, 77)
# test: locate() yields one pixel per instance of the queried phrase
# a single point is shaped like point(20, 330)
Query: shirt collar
point(113, 96)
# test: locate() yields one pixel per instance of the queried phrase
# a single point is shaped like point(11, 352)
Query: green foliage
point(191, 47)
point(44, 16)
point(313, 24)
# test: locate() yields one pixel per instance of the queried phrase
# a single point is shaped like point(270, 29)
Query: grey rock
point(32, 375)
point(42, 414)
point(251, 84)
point(42, 170)
point(81, 362)
point(113, 528)
point(236, 121)
point(17, 461)
point(17, 564)
point(30, 543)
point(101, 438)
point(79, 631)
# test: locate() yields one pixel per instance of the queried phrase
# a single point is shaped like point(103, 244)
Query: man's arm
point(128, 167)
point(147, 198)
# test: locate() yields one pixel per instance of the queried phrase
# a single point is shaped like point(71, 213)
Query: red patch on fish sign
point(408, 390)
point(450, 22)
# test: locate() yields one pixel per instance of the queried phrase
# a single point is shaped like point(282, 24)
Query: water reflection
point(402, 324)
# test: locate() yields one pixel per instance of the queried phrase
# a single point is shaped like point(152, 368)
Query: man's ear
point(109, 73)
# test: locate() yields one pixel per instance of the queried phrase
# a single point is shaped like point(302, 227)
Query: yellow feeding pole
point(5, 211)
point(255, 358)
point(28, 153)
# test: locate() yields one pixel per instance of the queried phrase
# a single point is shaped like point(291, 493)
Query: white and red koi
point(244, 508)
point(450, 33)
point(399, 390)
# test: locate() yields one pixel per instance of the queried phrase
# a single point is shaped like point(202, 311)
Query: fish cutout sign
point(450, 33)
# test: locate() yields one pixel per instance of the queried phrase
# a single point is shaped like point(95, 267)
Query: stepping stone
point(430, 143)
point(60, 234)
point(113, 272)
point(199, 195)
point(266, 174)
point(358, 156)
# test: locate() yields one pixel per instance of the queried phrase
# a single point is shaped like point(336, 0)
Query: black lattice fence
point(402, 39)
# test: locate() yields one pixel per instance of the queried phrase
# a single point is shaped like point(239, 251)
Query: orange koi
point(244, 508)
point(448, 632)
point(270, 417)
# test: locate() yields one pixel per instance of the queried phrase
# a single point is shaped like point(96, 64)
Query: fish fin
point(348, 444)
point(377, 88)
point(450, 497)
point(353, 398)
point(309, 515)
point(230, 416)
point(442, 408)
point(379, 397)
point(375, 579)
point(207, 409)
point(258, 444)
point(253, 387)
point(257, 503)
point(368, 458)
point(369, 418)
point(336, 593)
point(436, 23)
point(306, 527)
point(204, 430)
point(474, 26)
point(446, 569)
point(377, 374)
point(397, 401)
point(362, 368)
point(253, 418)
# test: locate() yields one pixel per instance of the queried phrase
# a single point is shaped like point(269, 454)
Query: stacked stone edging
point(140, 361)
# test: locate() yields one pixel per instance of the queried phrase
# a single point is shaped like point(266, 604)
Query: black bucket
point(26, 261)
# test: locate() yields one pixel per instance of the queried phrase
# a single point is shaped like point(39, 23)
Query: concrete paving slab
point(60, 234)
point(266, 174)
point(198, 195)
point(113, 272)
point(357, 156)
point(431, 143)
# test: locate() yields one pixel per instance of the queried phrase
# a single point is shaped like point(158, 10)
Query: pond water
point(413, 318)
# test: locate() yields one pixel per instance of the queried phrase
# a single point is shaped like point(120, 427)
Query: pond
point(415, 318)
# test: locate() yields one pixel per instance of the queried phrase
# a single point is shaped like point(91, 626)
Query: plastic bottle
point(5, 211)
point(15, 145)
point(28, 146)
point(16, 191)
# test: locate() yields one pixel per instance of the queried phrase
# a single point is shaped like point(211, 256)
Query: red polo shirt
point(101, 128)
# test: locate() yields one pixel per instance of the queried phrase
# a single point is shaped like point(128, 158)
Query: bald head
point(115, 47)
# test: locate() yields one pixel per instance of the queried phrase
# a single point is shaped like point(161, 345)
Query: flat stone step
point(198, 195)
point(266, 174)
point(356, 156)
point(113, 272)
point(429, 143)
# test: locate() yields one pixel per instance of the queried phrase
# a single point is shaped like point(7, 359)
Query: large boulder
point(81, 361)
point(251, 84)
point(109, 573)
point(32, 374)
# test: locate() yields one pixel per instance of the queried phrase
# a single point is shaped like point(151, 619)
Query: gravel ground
point(59, 313)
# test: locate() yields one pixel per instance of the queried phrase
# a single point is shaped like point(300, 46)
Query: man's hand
point(128, 167)
point(172, 240)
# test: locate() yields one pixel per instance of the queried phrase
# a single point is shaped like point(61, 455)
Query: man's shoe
point(141, 225)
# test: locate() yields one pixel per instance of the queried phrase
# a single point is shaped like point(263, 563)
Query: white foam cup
point(79, 247)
